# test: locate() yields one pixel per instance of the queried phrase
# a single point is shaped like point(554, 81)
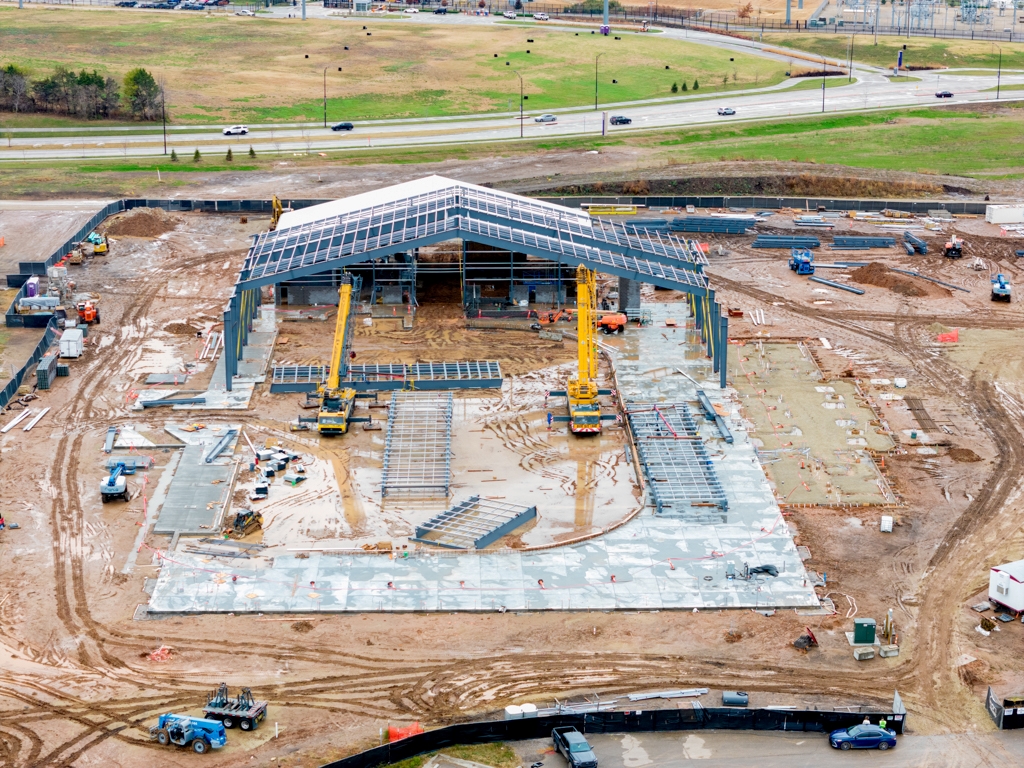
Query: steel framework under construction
point(679, 472)
point(432, 210)
point(417, 449)
point(474, 523)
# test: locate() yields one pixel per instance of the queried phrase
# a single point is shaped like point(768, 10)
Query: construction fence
point(11, 389)
point(663, 720)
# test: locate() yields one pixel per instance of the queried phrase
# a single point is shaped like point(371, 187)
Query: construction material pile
point(141, 222)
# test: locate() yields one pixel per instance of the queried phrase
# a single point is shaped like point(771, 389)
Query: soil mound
point(880, 275)
point(181, 329)
point(963, 454)
point(141, 222)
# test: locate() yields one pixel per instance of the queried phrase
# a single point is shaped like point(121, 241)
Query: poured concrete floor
point(649, 562)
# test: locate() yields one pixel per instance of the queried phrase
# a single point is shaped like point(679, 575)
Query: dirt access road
point(77, 687)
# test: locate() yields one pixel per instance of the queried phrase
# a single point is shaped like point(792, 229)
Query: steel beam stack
point(679, 472)
point(786, 241)
point(854, 243)
point(916, 243)
point(719, 225)
point(417, 449)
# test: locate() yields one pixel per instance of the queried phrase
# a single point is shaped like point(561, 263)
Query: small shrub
point(174, 156)
point(229, 156)
point(696, 85)
point(684, 88)
point(675, 87)
point(196, 157)
point(252, 152)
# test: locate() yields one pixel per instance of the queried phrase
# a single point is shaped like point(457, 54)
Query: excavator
point(278, 209)
point(581, 391)
point(336, 402)
point(954, 248)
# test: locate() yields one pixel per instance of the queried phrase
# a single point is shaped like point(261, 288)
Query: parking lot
point(781, 750)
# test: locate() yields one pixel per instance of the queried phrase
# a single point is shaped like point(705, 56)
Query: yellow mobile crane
point(277, 209)
point(581, 391)
point(336, 402)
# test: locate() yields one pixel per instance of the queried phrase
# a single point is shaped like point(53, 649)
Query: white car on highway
point(540, 17)
point(411, 10)
point(235, 130)
point(545, 119)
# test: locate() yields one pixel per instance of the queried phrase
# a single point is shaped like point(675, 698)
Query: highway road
point(870, 90)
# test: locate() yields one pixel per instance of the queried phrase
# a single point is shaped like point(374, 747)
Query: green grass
point(1010, 87)
point(928, 140)
point(814, 83)
point(921, 52)
point(228, 69)
point(499, 755)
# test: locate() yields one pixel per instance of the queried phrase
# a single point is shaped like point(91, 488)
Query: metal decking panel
point(196, 494)
point(679, 472)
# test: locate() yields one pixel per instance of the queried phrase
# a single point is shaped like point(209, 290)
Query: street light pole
point(999, 72)
point(824, 69)
point(596, 59)
point(520, 102)
point(325, 94)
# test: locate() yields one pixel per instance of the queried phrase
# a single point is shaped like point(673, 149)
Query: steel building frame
point(445, 210)
point(417, 449)
point(474, 523)
point(466, 374)
point(679, 472)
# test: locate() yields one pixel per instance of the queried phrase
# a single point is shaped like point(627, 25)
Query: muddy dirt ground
point(77, 686)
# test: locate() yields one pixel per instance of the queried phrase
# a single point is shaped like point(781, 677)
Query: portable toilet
point(863, 631)
point(1006, 585)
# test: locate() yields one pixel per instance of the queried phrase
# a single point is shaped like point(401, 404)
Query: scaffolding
point(679, 472)
point(473, 524)
point(417, 449)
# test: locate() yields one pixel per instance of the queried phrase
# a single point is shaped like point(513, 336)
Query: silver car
point(545, 119)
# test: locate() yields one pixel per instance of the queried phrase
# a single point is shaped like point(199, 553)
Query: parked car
point(509, 14)
point(540, 17)
point(943, 95)
point(620, 120)
point(411, 10)
point(863, 737)
point(574, 747)
point(342, 127)
point(727, 111)
point(127, 4)
point(244, 13)
point(545, 119)
point(235, 130)
point(441, 10)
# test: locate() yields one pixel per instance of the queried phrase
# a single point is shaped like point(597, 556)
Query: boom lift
point(581, 391)
point(116, 486)
point(336, 402)
point(198, 733)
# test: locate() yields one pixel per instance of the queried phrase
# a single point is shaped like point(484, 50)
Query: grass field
point(255, 70)
point(936, 141)
point(921, 52)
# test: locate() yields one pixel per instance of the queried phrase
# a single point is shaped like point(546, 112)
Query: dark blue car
point(862, 737)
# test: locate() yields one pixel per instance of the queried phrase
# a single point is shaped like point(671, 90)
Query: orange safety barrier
point(395, 733)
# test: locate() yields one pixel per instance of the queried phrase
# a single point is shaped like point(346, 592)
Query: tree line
point(89, 95)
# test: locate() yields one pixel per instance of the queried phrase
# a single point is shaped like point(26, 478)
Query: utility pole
point(303, 10)
point(163, 114)
point(850, 66)
point(520, 102)
point(596, 59)
point(605, 22)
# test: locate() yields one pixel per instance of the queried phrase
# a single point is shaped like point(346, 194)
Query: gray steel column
point(629, 294)
point(230, 335)
point(605, 13)
point(724, 342)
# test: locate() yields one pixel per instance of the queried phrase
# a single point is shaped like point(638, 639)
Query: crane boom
point(581, 389)
point(341, 328)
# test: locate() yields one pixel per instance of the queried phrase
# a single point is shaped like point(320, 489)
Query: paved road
point(769, 749)
point(870, 90)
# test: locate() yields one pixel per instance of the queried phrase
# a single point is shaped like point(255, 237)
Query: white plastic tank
point(529, 710)
point(513, 712)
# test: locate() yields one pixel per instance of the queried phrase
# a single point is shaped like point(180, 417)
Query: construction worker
point(881, 723)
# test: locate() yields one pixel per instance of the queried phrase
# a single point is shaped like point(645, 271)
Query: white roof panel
point(1014, 570)
point(407, 190)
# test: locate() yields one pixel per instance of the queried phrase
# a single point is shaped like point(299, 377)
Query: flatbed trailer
point(244, 710)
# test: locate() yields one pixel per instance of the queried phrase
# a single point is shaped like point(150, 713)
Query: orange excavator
point(612, 322)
